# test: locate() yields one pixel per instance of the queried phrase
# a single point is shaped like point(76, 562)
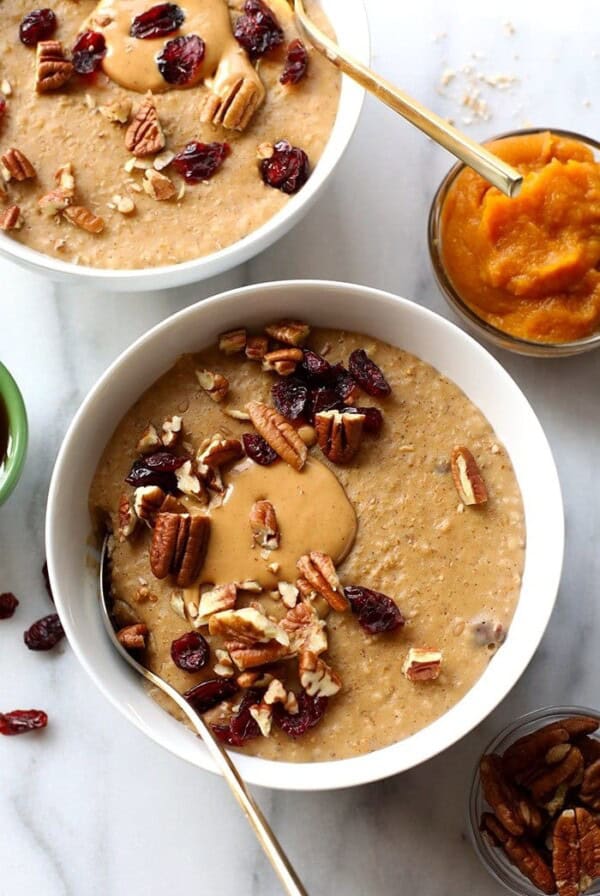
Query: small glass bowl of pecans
point(534, 805)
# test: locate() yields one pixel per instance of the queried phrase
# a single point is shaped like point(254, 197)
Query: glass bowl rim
point(489, 331)
point(503, 872)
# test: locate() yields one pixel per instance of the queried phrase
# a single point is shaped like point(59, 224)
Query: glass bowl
point(12, 467)
point(493, 858)
point(479, 326)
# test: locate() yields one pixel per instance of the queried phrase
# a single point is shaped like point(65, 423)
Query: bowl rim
point(488, 331)
point(198, 269)
point(331, 774)
point(18, 432)
point(491, 858)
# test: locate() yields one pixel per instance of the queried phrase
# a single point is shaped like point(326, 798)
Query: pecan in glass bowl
point(533, 805)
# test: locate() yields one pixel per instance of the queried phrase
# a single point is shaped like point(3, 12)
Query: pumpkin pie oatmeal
point(315, 536)
point(135, 134)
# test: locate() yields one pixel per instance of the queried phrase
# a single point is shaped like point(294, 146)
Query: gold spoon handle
point(485, 163)
point(291, 883)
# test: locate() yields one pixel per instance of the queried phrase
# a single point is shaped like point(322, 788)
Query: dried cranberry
point(180, 60)
point(314, 366)
point(190, 652)
point(289, 397)
point(258, 31)
point(258, 449)
point(8, 605)
point(158, 21)
point(210, 692)
point(242, 726)
point(310, 712)
point(373, 419)
point(288, 168)
point(367, 374)
point(199, 161)
point(324, 398)
point(45, 633)
point(36, 26)
point(88, 52)
point(156, 469)
point(47, 581)
point(2, 106)
point(296, 63)
point(343, 382)
point(20, 721)
point(376, 612)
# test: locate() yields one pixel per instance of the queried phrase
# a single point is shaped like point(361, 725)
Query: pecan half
point(179, 545)
point(304, 628)
point(133, 637)
point(279, 433)
point(148, 501)
point(318, 569)
point(512, 807)
point(316, 677)
point(283, 360)
point(339, 434)
point(589, 792)
point(144, 136)
point(467, 477)
point(247, 626)
point(521, 853)
point(575, 852)
point(234, 106)
point(250, 657)
point(214, 384)
point(256, 347)
point(422, 664)
point(291, 332)
point(52, 68)
point(85, 219)
point(233, 341)
point(525, 758)
point(569, 770)
point(11, 218)
point(264, 525)
point(17, 165)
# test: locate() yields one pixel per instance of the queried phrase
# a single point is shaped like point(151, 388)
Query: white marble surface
point(92, 808)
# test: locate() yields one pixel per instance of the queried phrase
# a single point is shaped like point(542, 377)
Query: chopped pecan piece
point(291, 332)
point(288, 593)
point(85, 219)
point(149, 441)
point(422, 664)
point(189, 483)
point(256, 347)
point(118, 111)
point(262, 715)
point(521, 853)
point(52, 68)
point(318, 569)
point(172, 431)
point(339, 434)
point(222, 597)
point(467, 477)
point(283, 360)
point(148, 502)
point(247, 626)
point(214, 384)
point(251, 657)
point(17, 166)
point(11, 218)
point(513, 808)
point(179, 545)
point(233, 341)
point(264, 525)
point(589, 792)
point(133, 637)
point(275, 693)
point(279, 433)
point(316, 677)
point(127, 518)
point(158, 186)
point(219, 452)
point(54, 202)
point(234, 106)
point(306, 631)
point(144, 136)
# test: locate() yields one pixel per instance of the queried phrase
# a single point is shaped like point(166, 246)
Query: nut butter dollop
point(131, 62)
point(313, 513)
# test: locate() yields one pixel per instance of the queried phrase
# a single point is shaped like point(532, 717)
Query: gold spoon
point(281, 864)
point(485, 163)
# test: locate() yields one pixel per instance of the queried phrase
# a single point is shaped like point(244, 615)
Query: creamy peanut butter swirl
point(131, 62)
point(313, 513)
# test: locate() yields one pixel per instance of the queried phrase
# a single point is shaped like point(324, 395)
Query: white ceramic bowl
point(349, 20)
point(375, 313)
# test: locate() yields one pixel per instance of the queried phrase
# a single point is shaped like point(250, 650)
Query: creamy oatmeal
point(97, 166)
point(411, 497)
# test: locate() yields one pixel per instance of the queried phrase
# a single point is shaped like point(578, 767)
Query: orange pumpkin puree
point(529, 266)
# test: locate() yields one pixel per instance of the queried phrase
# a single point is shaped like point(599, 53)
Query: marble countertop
point(93, 807)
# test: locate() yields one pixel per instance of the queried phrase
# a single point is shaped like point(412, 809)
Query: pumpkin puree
point(529, 266)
